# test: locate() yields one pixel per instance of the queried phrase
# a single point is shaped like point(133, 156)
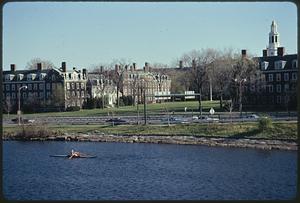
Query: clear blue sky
point(83, 34)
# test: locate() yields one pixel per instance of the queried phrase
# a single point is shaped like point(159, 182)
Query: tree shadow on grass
point(247, 134)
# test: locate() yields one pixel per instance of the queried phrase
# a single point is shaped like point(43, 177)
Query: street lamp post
point(240, 82)
point(19, 104)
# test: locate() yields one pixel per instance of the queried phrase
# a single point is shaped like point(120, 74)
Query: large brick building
point(280, 74)
point(135, 81)
point(49, 88)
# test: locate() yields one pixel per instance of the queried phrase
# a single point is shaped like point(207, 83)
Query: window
point(270, 77)
point(270, 88)
point(41, 95)
point(264, 65)
point(73, 85)
point(29, 86)
point(48, 86)
point(286, 87)
point(13, 87)
point(82, 85)
point(54, 85)
point(78, 94)
point(41, 86)
point(286, 99)
point(294, 76)
point(278, 77)
point(13, 95)
point(295, 63)
point(279, 64)
point(7, 95)
point(286, 76)
point(82, 94)
point(7, 87)
point(35, 86)
point(278, 88)
point(53, 78)
point(20, 76)
point(24, 95)
point(278, 99)
point(48, 94)
point(77, 85)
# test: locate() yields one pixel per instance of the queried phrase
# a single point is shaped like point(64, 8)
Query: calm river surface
point(146, 171)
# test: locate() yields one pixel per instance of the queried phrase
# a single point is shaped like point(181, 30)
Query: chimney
point(126, 67)
point(265, 53)
point(146, 68)
point(131, 68)
point(244, 53)
point(84, 72)
point(63, 67)
point(193, 63)
point(134, 66)
point(39, 66)
point(12, 67)
point(74, 68)
point(180, 64)
point(101, 69)
point(280, 51)
point(116, 67)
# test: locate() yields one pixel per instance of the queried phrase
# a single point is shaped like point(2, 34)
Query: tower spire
point(273, 40)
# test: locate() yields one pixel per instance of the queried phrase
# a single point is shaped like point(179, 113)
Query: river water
point(136, 171)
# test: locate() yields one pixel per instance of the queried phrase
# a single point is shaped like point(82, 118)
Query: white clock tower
point(273, 40)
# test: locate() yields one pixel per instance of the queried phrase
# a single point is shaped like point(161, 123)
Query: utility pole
point(145, 106)
point(19, 104)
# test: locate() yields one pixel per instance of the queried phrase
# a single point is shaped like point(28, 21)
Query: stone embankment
point(166, 139)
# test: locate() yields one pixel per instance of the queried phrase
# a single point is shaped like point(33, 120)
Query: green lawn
point(242, 130)
point(132, 110)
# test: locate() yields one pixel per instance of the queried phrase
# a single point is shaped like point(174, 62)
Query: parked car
point(207, 119)
point(174, 120)
point(116, 121)
point(22, 120)
point(253, 116)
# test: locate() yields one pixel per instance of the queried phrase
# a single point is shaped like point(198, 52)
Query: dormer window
point(42, 76)
point(295, 63)
point(31, 76)
point(264, 65)
point(9, 77)
point(279, 64)
point(20, 76)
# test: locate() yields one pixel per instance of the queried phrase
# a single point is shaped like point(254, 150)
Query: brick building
point(46, 88)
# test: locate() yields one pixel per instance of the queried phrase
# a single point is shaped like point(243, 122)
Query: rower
point(74, 154)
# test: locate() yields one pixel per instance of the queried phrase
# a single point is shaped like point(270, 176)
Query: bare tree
point(222, 74)
point(57, 98)
point(118, 67)
point(201, 61)
point(8, 104)
point(244, 70)
point(32, 64)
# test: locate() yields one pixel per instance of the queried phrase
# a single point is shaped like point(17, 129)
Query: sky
point(88, 33)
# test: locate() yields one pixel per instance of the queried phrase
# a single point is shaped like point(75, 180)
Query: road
point(152, 119)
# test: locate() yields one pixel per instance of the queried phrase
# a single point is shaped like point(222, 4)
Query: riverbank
point(278, 136)
point(165, 139)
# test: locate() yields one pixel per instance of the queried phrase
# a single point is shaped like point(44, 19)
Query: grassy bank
point(132, 110)
point(286, 131)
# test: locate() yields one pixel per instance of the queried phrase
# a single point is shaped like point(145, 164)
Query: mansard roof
point(289, 58)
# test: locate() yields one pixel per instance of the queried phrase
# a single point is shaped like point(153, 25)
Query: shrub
point(33, 131)
point(265, 123)
point(73, 108)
